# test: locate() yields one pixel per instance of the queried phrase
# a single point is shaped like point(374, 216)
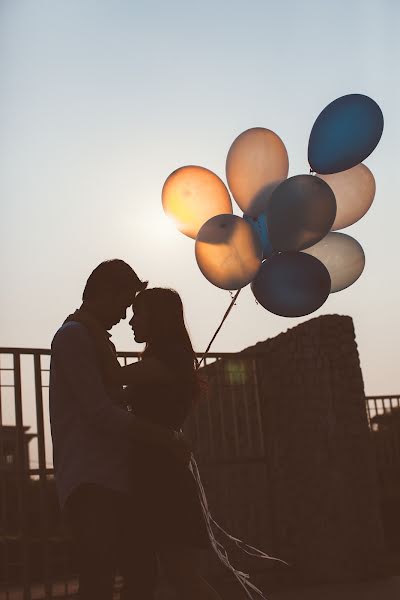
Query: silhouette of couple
point(121, 465)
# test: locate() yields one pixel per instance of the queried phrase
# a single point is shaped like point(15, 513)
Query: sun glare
point(167, 226)
point(158, 226)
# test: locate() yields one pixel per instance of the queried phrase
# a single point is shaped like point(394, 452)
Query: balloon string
point(243, 579)
point(219, 327)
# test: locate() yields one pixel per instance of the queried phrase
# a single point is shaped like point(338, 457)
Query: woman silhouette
point(162, 388)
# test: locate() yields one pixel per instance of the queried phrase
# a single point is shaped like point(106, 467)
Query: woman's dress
point(165, 496)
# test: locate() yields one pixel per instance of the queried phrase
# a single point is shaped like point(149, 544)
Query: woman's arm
point(148, 370)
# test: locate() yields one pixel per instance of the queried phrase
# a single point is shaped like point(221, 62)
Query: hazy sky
point(101, 100)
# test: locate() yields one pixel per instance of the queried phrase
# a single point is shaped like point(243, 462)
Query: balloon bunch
point(286, 244)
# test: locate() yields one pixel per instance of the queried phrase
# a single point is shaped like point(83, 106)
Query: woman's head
point(158, 319)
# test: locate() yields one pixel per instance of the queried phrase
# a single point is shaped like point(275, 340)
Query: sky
point(101, 100)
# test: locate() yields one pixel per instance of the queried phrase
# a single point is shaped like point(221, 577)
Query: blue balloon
point(259, 225)
point(300, 213)
point(344, 134)
point(289, 286)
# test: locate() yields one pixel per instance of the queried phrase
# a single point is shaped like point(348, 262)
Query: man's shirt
point(91, 435)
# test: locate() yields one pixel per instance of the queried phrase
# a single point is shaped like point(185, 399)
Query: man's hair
point(114, 275)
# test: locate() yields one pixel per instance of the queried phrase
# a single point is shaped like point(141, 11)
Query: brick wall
point(295, 411)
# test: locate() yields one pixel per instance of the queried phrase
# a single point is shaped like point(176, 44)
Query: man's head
point(110, 289)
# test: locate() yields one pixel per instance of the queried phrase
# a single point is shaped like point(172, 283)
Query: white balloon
point(228, 251)
point(354, 191)
point(343, 256)
point(256, 164)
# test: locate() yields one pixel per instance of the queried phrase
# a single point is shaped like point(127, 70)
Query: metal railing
point(384, 419)
point(381, 405)
point(35, 556)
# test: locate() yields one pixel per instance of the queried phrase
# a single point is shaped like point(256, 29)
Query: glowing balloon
point(354, 191)
point(291, 284)
point(344, 134)
point(259, 224)
point(256, 163)
point(228, 251)
point(301, 211)
point(343, 256)
point(191, 195)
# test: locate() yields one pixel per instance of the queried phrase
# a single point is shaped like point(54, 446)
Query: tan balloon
point(343, 256)
point(256, 164)
point(354, 191)
point(191, 195)
point(228, 252)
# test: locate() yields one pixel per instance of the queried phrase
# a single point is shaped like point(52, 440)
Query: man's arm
point(150, 370)
point(74, 356)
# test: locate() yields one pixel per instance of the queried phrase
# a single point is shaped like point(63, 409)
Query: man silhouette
point(91, 436)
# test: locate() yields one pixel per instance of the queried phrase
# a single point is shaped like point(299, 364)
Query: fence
point(35, 557)
point(384, 418)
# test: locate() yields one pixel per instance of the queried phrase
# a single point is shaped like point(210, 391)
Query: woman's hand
point(181, 449)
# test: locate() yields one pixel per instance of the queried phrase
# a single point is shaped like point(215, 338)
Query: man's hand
point(181, 449)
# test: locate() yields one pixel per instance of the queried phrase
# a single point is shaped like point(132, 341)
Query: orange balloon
point(228, 252)
point(191, 195)
point(256, 164)
point(354, 191)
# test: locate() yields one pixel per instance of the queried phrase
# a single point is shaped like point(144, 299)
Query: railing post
point(22, 477)
point(42, 474)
